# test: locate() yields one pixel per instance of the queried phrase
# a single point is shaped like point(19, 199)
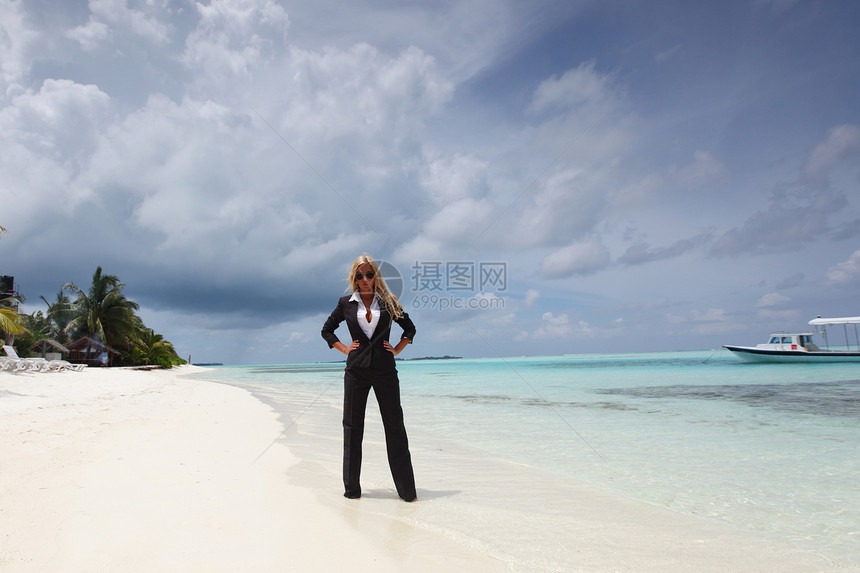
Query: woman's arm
point(408, 327)
point(331, 324)
point(395, 350)
point(344, 348)
point(406, 338)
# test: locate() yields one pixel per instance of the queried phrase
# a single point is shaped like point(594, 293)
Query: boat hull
point(751, 354)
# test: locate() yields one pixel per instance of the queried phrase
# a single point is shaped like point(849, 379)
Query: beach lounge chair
point(12, 365)
point(12, 362)
point(10, 352)
point(60, 365)
point(37, 364)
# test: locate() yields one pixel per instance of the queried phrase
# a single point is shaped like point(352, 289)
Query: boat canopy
point(830, 321)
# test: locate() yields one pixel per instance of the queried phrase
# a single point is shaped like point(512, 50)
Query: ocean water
point(771, 449)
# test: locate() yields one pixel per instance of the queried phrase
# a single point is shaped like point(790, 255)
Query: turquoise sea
point(771, 449)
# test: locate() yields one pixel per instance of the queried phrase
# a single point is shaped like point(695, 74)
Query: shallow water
point(768, 448)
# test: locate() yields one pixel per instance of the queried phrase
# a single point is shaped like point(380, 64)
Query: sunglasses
point(370, 275)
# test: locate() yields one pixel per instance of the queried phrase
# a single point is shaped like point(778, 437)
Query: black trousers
point(357, 383)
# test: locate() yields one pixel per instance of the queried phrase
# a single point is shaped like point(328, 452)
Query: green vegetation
point(9, 320)
point(101, 313)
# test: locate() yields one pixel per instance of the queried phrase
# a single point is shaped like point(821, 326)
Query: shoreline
point(114, 469)
point(125, 470)
point(535, 520)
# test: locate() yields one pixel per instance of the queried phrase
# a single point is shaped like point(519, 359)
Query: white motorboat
point(799, 346)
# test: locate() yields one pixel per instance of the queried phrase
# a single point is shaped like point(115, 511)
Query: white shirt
point(367, 327)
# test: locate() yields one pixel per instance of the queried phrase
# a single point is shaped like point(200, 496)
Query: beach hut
point(90, 351)
point(58, 351)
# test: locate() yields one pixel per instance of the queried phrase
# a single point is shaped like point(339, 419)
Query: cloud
point(420, 248)
point(673, 318)
point(297, 338)
point(778, 317)
point(847, 230)
point(171, 162)
point(199, 186)
point(63, 120)
point(91, 35)
point(710, 321)
point(845, 271)
point(714, 321)
point(645, 191)
point(358, 100)
point(803, 210)
point(468, 36)
point(565, 207)
point(564, 202)
point(107, 15)
point(713, 328)
point(48, 137)
point(651, 189)
point(554, 326)
point(641, 252)
point(705, 169)
point(559, 327)
point(457, 221)
point(562, 187)
point(17, 39)
point(580, 258)
point(843, 142)
point(796, 216)
point(777, 6)
point(233, 35)
point(453, 178)
point(772, 299)
point(668, 54)
point(790, 282)
point(581, 112)
point(710, 315)
point(581, 88)
point(228, 158)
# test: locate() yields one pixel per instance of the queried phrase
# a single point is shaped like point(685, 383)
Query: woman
point(369, 312)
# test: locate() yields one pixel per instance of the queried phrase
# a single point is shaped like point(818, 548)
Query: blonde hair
point(379, 286)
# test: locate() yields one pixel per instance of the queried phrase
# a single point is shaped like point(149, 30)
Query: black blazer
point(370, 353)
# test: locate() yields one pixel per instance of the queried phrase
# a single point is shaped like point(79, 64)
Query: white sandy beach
point(123, 470)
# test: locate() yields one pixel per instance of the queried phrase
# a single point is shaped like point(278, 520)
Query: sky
point(538, 177)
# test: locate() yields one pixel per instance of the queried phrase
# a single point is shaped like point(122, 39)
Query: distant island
point(446, 357)
point(207, 364)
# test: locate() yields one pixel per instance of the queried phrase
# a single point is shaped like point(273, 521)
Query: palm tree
point(36, 328)
point(153, 349)
point(59, 314)
point(9, 321)
point(103, 312)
